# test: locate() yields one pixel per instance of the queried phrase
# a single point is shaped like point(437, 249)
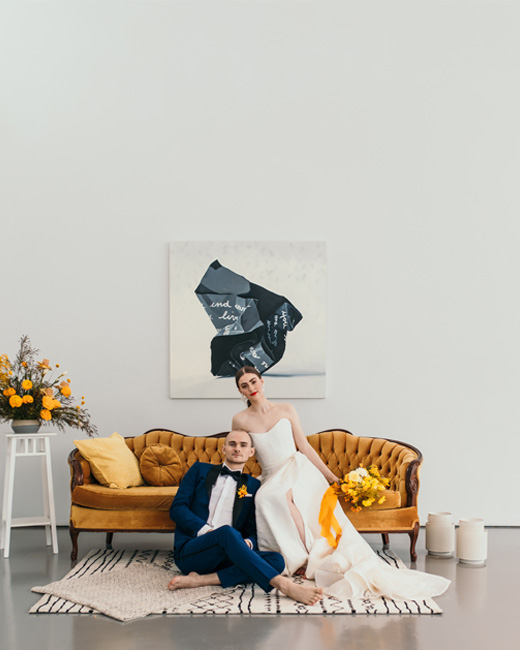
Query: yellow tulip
point(27, 399)
point(45, 414)
point(27, 384)
point(56, 404)
point(9, 391)
point(15, 401)
point(66, 391)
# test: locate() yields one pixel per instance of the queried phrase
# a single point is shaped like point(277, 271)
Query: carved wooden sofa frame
point(96, 508)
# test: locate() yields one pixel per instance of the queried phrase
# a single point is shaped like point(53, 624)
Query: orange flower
point(44, 365)
point(48, 402)
point(27, 399)
point(45, 414)
point(66, 391)
point(15, 401)
point(27, 384)
point(9, 391)
point(56, 403)
point(48, 391)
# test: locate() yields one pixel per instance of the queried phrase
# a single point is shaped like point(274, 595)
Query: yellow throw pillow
point(112, 463)
point(161, 465)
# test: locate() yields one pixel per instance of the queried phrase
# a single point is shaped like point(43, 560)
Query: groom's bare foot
point(193, 580)
point(301, 593)
point(184, 582)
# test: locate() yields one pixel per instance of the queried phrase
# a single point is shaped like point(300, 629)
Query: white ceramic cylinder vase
point(440, 534)
point(472, 541)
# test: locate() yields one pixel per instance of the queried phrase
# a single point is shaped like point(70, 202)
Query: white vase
point(472, 541)
point(25, 426)
point(440, 534)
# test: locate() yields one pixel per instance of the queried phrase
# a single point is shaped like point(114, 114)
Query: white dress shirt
point(221, 504)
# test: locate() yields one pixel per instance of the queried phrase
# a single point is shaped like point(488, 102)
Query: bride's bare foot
point(301, 593)
point(301, 571)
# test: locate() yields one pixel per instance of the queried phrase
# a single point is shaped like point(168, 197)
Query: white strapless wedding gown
point(352, 569)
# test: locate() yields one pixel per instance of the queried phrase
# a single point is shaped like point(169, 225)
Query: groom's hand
point(249, 542)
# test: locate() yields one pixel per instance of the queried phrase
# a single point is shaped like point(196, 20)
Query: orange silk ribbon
point(327, 519)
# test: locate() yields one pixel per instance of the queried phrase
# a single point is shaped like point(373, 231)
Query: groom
point(215, 534)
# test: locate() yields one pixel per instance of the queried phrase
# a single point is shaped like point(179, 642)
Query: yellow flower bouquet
point(362, 487)
point(32, 390)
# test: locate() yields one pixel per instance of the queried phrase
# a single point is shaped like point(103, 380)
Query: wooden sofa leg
point(386, 540)
point(108, 544)
point(414, 534)
point(74, 534)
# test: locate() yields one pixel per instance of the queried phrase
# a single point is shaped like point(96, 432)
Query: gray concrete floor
point(478, 607)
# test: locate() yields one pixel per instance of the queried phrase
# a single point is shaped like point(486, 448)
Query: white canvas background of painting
point(296, 270)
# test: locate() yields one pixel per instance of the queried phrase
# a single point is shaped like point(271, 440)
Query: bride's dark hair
point(246, 370)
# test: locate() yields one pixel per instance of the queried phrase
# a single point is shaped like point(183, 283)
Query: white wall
point(389, 130)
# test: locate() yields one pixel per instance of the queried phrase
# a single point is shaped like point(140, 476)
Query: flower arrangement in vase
point(32, 390)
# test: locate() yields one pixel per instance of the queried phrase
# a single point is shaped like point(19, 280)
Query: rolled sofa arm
point(80, 472)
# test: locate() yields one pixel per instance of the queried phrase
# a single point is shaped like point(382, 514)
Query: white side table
point(25, 445)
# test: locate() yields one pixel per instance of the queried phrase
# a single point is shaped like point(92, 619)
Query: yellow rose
point(27, 384)
point(66, 391)
point(27, 399)
point(45, 414)
point(15, 401)
point(48, 402)
point(56, 403)
point(382, 499)
point(9, 391)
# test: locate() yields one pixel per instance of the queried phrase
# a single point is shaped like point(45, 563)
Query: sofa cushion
point(145, 497)
point(111, 461)
point(160, 465)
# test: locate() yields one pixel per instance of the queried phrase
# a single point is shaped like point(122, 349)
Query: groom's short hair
point(241, 431)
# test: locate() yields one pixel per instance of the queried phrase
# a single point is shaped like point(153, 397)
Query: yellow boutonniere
point(242, 492)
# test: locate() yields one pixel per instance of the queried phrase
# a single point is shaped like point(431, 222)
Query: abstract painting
point(259, 304)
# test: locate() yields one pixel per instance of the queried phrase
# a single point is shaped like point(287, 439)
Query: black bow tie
point(225, 471)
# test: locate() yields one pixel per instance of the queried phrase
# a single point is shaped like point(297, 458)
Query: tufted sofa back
point(340, 450)
point(189, 448)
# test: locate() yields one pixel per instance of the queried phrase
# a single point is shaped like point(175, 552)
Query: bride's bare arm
point(304, 446)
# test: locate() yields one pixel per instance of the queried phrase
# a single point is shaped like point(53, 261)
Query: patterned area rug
point(131, 584)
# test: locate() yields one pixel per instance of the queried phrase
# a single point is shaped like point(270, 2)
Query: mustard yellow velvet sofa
point(146, 508)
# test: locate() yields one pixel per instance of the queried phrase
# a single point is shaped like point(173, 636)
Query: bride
point(294, 479)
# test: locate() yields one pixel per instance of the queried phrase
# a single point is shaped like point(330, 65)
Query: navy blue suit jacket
point(190, 507)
